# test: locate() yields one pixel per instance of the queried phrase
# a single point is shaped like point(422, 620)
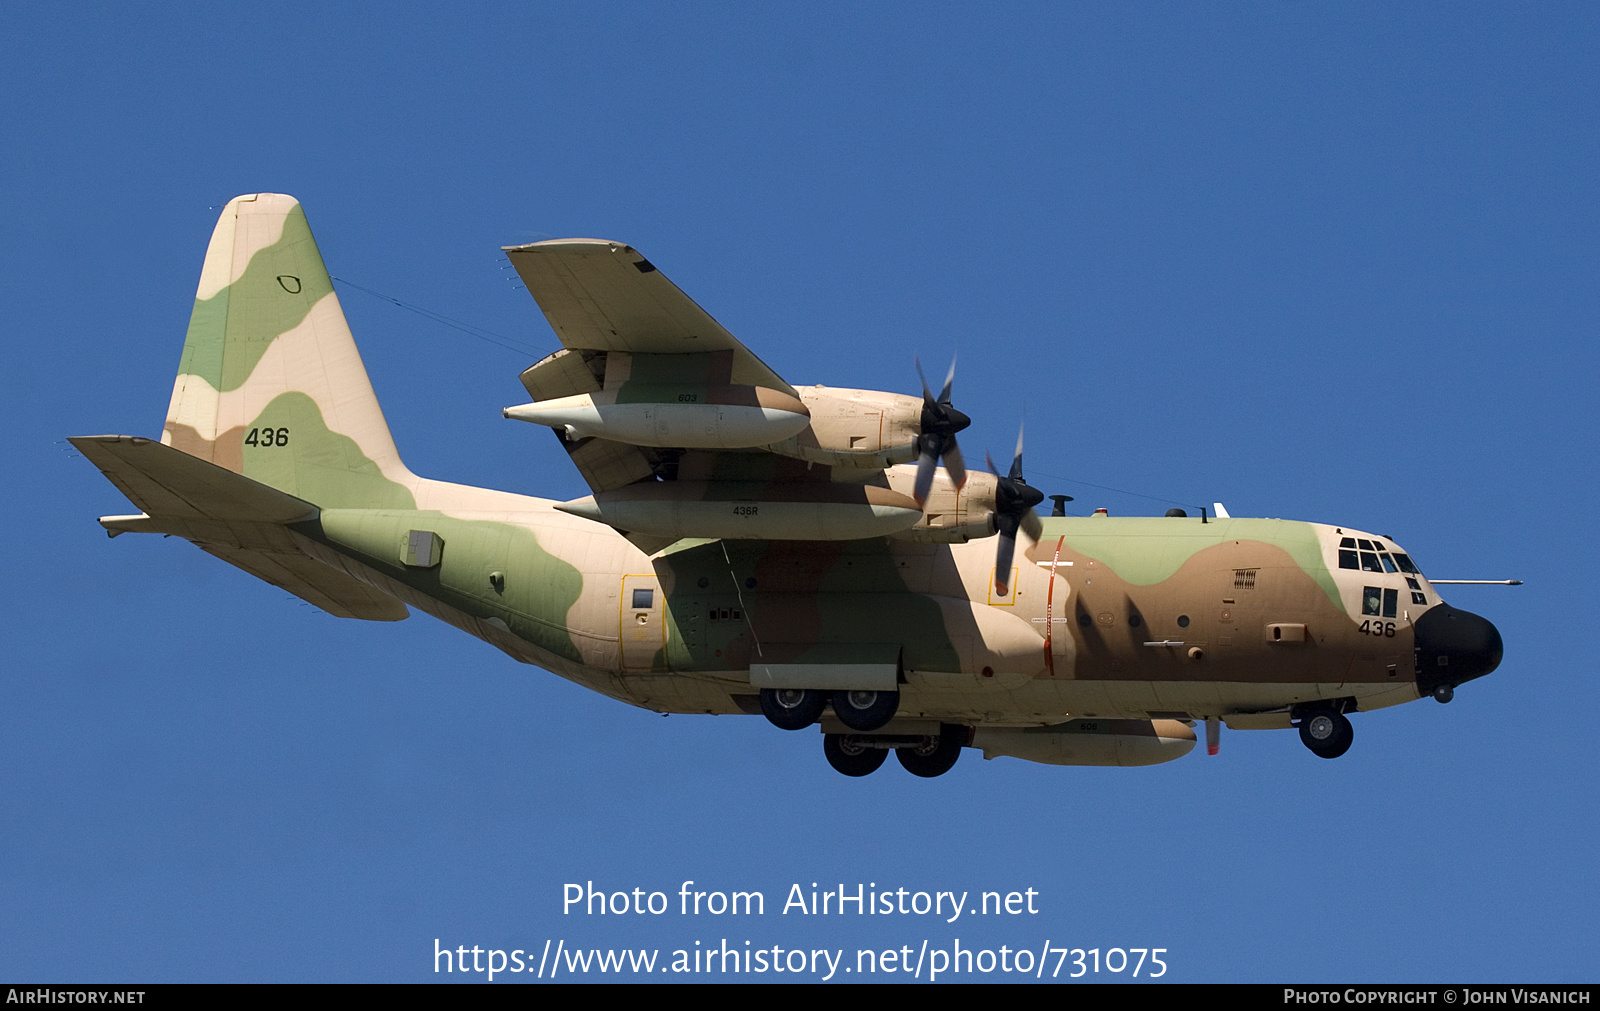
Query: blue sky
point(1327, 263)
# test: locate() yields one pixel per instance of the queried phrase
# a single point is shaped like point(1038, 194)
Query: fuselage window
point(1391, 603)
point(1420, 598)
point(1405, 563)
point(644, 598)
point(1366, 545)
point(1347, 558)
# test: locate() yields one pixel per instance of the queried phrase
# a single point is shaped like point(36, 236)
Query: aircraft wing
point(605, 296)
point(681, 432)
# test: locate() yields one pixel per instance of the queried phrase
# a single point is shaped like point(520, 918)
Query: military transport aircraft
point(756, 547)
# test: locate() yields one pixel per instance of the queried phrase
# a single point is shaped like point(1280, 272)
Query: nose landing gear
point(1326, 732)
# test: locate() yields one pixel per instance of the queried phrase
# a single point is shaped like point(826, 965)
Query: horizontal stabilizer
point(169, 483)
point(341, 595)
point(241, 521)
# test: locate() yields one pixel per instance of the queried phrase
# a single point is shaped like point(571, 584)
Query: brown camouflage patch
point(227, 452)
point(185, 439)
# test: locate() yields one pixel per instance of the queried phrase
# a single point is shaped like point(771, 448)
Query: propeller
point(940, 423)
point(1014, 500)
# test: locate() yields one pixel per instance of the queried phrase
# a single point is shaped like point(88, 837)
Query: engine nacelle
point(1090, 742)
point(862, 429)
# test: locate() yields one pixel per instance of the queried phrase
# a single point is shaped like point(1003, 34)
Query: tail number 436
point(267, 437)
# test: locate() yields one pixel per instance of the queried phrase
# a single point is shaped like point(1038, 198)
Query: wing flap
point(559, 375)
point(606, 465)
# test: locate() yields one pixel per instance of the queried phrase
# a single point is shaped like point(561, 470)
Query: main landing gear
point(926, 755)
point(861, 753)
point(1326, 732)
point(852, 755)
point(865, 711)
point(792, 708)
point(798, 708)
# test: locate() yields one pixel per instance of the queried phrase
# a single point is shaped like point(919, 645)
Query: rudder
point(271, 384)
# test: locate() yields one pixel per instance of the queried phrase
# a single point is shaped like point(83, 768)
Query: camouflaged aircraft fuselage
point(276, 458)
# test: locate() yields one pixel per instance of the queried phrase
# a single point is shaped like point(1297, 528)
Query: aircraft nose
point(1453, 646)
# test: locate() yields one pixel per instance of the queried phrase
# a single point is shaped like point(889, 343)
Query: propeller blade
point(949, 381)
point(1031, 525)
point(940, 422)
point(1003, 554)
point(1014, 500)
point(954, 464)
point(927, 460)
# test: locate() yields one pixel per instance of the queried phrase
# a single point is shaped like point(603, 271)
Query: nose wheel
point(1327, 733)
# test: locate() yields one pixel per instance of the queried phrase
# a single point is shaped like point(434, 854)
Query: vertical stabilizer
point(271, 385)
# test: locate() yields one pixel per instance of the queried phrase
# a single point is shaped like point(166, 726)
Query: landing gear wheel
point(792, 708)
point(847, 754)
point(865, 711)
point(1328, 734)
point(935, 755)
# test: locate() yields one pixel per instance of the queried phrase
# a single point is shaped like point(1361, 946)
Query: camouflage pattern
point(275, 457)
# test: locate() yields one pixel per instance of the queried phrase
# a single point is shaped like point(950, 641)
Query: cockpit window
point(1374, 556)
point(1379, 602)
point(1371, 600)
